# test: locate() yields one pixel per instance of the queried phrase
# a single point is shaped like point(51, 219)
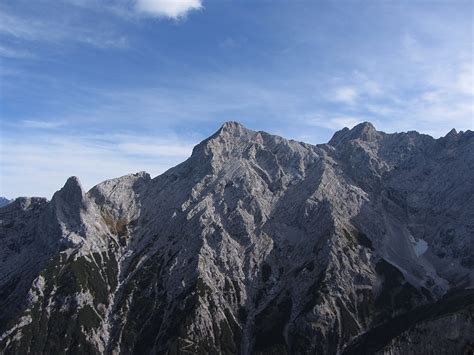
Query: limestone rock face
point(254, 245)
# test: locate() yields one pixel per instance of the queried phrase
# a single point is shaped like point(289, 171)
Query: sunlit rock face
point(254, 245)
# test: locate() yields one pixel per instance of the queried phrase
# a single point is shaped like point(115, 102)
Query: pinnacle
point(232, 125)
point(452, 133)
point(364, 126)
point(73, 184)
point(364, 131)
point(71, 191)
point(232, 129)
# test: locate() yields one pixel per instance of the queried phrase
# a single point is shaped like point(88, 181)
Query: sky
point(102, 88)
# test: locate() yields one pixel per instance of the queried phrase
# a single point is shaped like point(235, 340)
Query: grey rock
point(4, 201)
point(255, 244)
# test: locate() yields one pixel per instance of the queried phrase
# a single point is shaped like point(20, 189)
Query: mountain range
point(254, 245)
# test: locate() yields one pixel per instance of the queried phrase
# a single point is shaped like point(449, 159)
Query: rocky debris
point(255, 244)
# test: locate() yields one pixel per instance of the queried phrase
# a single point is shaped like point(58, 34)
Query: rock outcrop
point(254, 245)
point(4, 201)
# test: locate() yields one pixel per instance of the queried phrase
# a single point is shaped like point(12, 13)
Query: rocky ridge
point(255, 244)
point(4, 201)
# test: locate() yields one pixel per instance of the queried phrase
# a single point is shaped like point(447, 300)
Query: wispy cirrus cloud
point(271, 67)
point(427, 85)
point(46, 30)
point(41, 124)
point(51, 159)
point(353, 89)
point(332, 122)
point(18, 53)
point(345, 94)
point(232, 43)
point(104, 30)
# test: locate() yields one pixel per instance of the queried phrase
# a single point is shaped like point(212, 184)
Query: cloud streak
point(345, 95)
point(51, 159)
point(55, 32)
point(41, 124)
point(11, 52)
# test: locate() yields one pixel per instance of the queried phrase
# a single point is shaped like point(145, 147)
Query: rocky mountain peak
point(229, 140)
point(454, 138)
point(71, 194)
point(232, 126)
point(68, 206)
point(247, 245)
point(364, 131)
point(232, 131)
point(72, 188)
point(452, 133)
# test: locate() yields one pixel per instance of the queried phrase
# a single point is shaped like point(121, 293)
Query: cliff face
point(255, 244)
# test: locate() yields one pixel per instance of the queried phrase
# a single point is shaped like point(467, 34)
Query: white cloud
point(39, 165)
point(167, 150)
point(168, 8)
point(345, 94)
point(30, 29)
point(41, 124)
point(10, 52)
point(366, 85)
point(446, 103)
point(333, 122)
point(465, 79)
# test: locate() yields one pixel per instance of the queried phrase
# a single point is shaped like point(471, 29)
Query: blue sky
point(102, 88)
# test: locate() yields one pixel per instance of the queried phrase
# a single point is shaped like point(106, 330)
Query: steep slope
point(4, 201)
point(255, 244)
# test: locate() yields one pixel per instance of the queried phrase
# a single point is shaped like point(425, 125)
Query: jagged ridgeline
point(254, 245)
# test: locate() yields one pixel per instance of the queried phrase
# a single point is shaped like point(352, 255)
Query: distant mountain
point(254, 245)
point(4, 201)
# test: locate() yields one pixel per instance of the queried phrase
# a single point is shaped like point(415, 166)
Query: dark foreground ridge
point(254, 245)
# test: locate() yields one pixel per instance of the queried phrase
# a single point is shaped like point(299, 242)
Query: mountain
point(254, 245)
point(4, 201)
